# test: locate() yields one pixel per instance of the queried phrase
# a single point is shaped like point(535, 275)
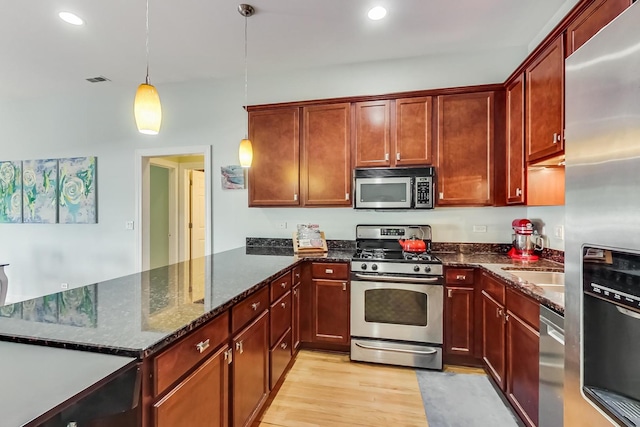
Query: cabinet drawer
point(330, 270)
point(459, 276)
point(494, 288)
point(524, 307)
point(297, 275)
point(280, 358)
point(174, 362)
point(249, 308)
point(280, 286)
point(280, 317)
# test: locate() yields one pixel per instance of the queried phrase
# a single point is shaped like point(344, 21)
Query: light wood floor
point(324, 389)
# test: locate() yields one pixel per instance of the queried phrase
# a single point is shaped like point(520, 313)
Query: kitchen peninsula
point(207, 336)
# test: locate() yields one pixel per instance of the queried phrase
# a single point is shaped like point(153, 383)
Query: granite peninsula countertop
point(139, 314)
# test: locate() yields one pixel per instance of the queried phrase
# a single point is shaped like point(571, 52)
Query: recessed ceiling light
point(377, 13)
point(71, 18)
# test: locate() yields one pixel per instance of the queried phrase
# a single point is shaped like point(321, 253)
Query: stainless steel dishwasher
point(550, 412)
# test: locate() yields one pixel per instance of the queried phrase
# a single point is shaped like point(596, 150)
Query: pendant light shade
point(147, 109)
point(245, 153)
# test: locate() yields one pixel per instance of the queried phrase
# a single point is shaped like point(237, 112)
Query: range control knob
point(363, 266)
point(416, 268)
point(374, 267)
point(427, 269)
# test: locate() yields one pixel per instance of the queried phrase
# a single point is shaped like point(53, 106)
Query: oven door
point(397, 311)
point(383, 193)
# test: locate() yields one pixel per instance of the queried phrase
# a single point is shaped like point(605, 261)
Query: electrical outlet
point(282, 225)
point(128, 225)
point(558, 232)
point(479, 228)
point(64, 286)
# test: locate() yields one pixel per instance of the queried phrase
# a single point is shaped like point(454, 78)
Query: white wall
point(99, 121)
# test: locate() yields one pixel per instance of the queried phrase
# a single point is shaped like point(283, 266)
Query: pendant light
point(146, 106)
point(245, 151)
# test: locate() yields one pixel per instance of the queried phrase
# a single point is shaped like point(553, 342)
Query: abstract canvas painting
point(11, 191)
point(77, 190)
point(40, 189)
point(232, 177)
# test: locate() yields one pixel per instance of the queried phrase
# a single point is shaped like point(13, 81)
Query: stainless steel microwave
point(394, 188)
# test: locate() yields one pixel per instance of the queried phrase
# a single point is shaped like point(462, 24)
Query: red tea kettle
point(413, 245)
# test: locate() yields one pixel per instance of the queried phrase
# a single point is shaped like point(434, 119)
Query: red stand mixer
point(525, 241)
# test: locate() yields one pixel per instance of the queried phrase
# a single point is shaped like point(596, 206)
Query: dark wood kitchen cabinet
point(595, 17)
point(325, 175)
point(295, 308)
point(510, 348)
point(330, 287)
point(280, 318)
point(273, 175)
point(544, 79)
point(459, 321)
point(397, 132)
point(515, 167)
point(466, 150)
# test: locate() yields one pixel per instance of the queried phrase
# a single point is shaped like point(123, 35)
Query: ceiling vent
point(98, 79)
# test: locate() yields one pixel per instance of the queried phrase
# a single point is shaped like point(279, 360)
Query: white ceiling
point(197, 39)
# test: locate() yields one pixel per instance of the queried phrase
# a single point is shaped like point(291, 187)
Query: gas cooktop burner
point(397, 256)
point(423, 256)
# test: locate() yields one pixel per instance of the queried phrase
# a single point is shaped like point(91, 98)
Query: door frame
point(142, 160)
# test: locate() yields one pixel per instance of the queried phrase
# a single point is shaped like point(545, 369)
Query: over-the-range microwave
point(393, 188)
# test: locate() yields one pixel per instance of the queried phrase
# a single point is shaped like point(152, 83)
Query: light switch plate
point(479, 228)
point(558, 232)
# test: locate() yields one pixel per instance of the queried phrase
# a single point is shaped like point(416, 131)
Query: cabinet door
point(515, 142)
point(459, 321)
point(273, 175)
point(326, 155)
point(413, 131)
point(465, 149)
point(250, 371)
point(372, 133)
point(202, 399)
point(593, 19)
point(295, 321)
point(522, 368)
point(331, 314)
point(544, 80)
point(493, 337)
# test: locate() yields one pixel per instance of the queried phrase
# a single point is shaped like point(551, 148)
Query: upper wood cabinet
point(273, 175)
point(326, 155)
point(598, 14)
point(544, 79)
point(515, 167)
point(393, 132)
point(465, 149)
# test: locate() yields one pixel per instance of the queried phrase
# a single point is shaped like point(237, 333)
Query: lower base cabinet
point(202, 399)
point(250, 371)
point(281, 354)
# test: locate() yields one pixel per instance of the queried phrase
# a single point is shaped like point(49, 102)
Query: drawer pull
point(283, 346)
point(283, 285)
point(344, 286)
point(255, 305)
point(449, 293)
point(297, 275)
point(295, 292)
point(202, 346)
point(461, 277)
point(328, 270)
point(228, 356)
point(239, 347)
point(283, 305)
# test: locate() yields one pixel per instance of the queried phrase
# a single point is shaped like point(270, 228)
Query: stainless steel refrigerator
point(602, 223)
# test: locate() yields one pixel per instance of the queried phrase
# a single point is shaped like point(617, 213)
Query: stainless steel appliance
point(551, 368)
point(393, 188)
point(602, 150)
point(396, 298)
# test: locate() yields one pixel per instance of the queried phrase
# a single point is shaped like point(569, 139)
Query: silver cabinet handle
point(297, 275)
point(518, 192)
point(397, 156)
point(555, 137)
point(506, 318)
point(239, 347)
point(397, 350)
point(346, 196)
point(255, 305)
point(449, 293)
point(295, 197)
point(283, 305)
point(498, 312)
point(283, 346)
point(461, 277)
point(344, 286)
point(386, 156)
point(295, 292)
point(202, 345)
point(328, 270)
point(283, 285)
point(228, 356)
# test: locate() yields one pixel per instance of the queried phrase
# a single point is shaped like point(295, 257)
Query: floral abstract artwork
point(232, 177)
point(77, 190)
point(11, 191)
point(40, 189)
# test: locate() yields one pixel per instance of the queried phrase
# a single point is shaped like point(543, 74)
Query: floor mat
point(462, 400)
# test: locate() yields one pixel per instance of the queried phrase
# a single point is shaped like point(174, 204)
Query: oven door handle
point(397, 278)
point(397, 350)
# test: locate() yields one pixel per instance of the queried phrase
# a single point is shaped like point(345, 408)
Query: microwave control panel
point(423, 192)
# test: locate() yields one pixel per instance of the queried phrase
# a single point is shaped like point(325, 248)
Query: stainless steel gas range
point(396, 298)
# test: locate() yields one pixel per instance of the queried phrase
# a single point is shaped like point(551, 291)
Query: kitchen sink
point(544, 279)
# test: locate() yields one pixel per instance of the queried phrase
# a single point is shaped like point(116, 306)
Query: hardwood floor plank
point(327, 390)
